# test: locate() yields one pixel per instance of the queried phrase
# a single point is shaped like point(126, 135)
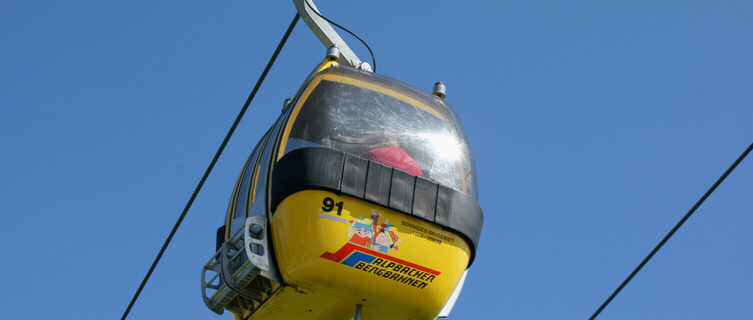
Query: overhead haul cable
point(671, 232)
point(211, 164)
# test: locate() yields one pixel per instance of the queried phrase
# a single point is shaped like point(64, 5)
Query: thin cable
point(211, 165)
point(671, 232)
point(373, 60)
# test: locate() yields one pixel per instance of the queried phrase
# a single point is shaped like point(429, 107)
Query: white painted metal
point(258, 238)
point(454, 297)
point(324, 31)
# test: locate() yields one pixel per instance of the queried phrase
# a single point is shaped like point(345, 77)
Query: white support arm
point(324, 31)
point(453, 298)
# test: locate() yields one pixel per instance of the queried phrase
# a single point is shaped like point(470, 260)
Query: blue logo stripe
point(357, 257)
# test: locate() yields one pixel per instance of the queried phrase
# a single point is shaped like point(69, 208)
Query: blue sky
point(595, 126)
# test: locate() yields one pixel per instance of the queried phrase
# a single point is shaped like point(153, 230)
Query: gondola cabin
point(360, 201)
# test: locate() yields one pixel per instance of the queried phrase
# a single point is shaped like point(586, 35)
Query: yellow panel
point(400, 267)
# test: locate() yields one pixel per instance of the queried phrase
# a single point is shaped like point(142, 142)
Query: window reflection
point(422, 138)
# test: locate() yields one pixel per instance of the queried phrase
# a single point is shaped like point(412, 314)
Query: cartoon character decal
point(368, 249)
point(371, 234)
point(360, 232)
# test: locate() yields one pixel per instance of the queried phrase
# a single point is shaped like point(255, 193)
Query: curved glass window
point(242, 195)
point(258, 205)
point(385, 121)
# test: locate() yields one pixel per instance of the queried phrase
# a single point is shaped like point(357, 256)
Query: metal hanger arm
point(324, 31)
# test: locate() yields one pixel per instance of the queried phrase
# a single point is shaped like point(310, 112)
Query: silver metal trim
point(261, 261)
point(440, 90)
point(326, 216)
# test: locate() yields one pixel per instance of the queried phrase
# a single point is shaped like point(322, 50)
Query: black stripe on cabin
point(342, 173)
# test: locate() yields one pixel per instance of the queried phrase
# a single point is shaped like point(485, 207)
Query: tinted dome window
point(386, 122)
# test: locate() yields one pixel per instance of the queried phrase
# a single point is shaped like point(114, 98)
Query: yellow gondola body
point(341, 229)
point(318, 251)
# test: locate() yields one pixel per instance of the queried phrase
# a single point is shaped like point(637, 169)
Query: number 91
point(329, 204)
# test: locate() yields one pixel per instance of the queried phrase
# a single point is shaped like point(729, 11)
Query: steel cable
point(671, 232)
point(211, 164)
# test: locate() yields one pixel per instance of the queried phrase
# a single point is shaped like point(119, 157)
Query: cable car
point(359, 202)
